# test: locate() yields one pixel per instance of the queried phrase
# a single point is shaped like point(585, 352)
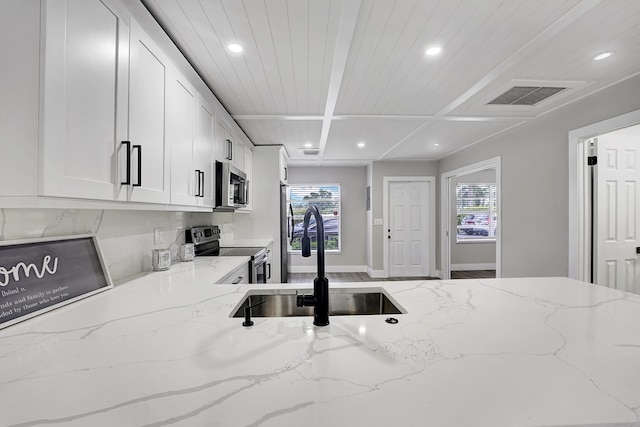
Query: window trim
point(493, 212)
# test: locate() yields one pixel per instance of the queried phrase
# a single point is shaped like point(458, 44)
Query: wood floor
point(364, 277)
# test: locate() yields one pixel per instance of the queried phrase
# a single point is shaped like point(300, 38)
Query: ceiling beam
point(347, 26)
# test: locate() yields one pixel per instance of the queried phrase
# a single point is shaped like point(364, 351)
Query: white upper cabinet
point(105, 112)
point(84, 99)
point(203, 153)
point(190, 130)
point(219, 143)
point(19, 103)
point(284, 171)
point(103, 106)
point(227, 147)
point(248, 166)
point(181, 121)
point(237, 157)
point(148, 163)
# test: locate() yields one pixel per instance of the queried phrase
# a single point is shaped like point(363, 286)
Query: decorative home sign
point(40, 275)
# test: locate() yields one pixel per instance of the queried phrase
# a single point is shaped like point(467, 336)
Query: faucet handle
point(303, 300)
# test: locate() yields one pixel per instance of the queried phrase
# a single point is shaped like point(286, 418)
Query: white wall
point(467, 254)
point(534, 221)
point(353, 184)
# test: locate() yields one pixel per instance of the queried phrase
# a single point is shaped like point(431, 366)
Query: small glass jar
point(186, 252)
point(160, 259)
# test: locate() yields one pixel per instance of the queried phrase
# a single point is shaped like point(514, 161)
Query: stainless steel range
point(206, 242)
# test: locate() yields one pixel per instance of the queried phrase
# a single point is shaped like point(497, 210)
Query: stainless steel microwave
point(232, 187)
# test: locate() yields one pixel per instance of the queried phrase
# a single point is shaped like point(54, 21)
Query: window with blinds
point(476, 206)
point(327, 199)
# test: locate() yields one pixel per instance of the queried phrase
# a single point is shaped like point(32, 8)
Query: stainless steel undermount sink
point(342, 302)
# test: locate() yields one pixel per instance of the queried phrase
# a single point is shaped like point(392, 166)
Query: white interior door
point(617, 216)
point(408, 232)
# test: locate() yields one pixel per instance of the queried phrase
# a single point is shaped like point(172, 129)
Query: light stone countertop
point(162, 350)
point(246, 243)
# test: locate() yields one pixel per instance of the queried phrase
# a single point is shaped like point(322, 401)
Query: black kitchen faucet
point(320, 298)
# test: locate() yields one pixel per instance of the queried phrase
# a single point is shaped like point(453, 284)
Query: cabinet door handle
point(127, 180)
point(238, 280)
point(286, 174)
point(269, 271)
point(198, 182)
point(202, 180)
point(139, 148)
point(229, 149)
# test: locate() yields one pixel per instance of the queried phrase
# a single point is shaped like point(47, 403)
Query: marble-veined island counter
point(163, 350)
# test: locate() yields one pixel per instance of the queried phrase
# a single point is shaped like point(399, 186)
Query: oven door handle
point(260, 259)
point(269, 270)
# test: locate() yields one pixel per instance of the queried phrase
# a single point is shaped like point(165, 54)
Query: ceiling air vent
point(526, 95)
point(309, 151)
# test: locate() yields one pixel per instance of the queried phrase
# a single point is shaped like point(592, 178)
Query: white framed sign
point(39, 275)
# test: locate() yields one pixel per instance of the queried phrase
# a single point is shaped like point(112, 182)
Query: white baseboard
point(376, 274)
point(380, 274)
point(328, 268)
point(467, 267)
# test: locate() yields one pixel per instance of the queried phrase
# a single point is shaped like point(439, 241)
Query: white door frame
point(579, 231)
point(431, 181)
point(447, 205)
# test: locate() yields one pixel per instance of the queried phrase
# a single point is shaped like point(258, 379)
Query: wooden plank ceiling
point(334, 73)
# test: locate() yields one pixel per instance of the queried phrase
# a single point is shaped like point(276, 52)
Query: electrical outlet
point(158, 236)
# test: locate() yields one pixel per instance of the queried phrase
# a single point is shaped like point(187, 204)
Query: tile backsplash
point(125, 237)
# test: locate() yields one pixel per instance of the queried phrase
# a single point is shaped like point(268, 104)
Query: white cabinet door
point(20, 81)
point(84, 99)
point(284, 172)
point(247, 164)
point(181, 113)
point(149, 160)
point(237, 148)
point(203, 153)
point(223, 146)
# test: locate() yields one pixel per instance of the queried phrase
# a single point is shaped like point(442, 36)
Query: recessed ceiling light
point(235, 48)
point(434, 50)
point(308, 145)
point(360, 144)
point(602, 56)
point(436, 145)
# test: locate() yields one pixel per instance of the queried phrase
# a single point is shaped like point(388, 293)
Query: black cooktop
point(206, 241)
